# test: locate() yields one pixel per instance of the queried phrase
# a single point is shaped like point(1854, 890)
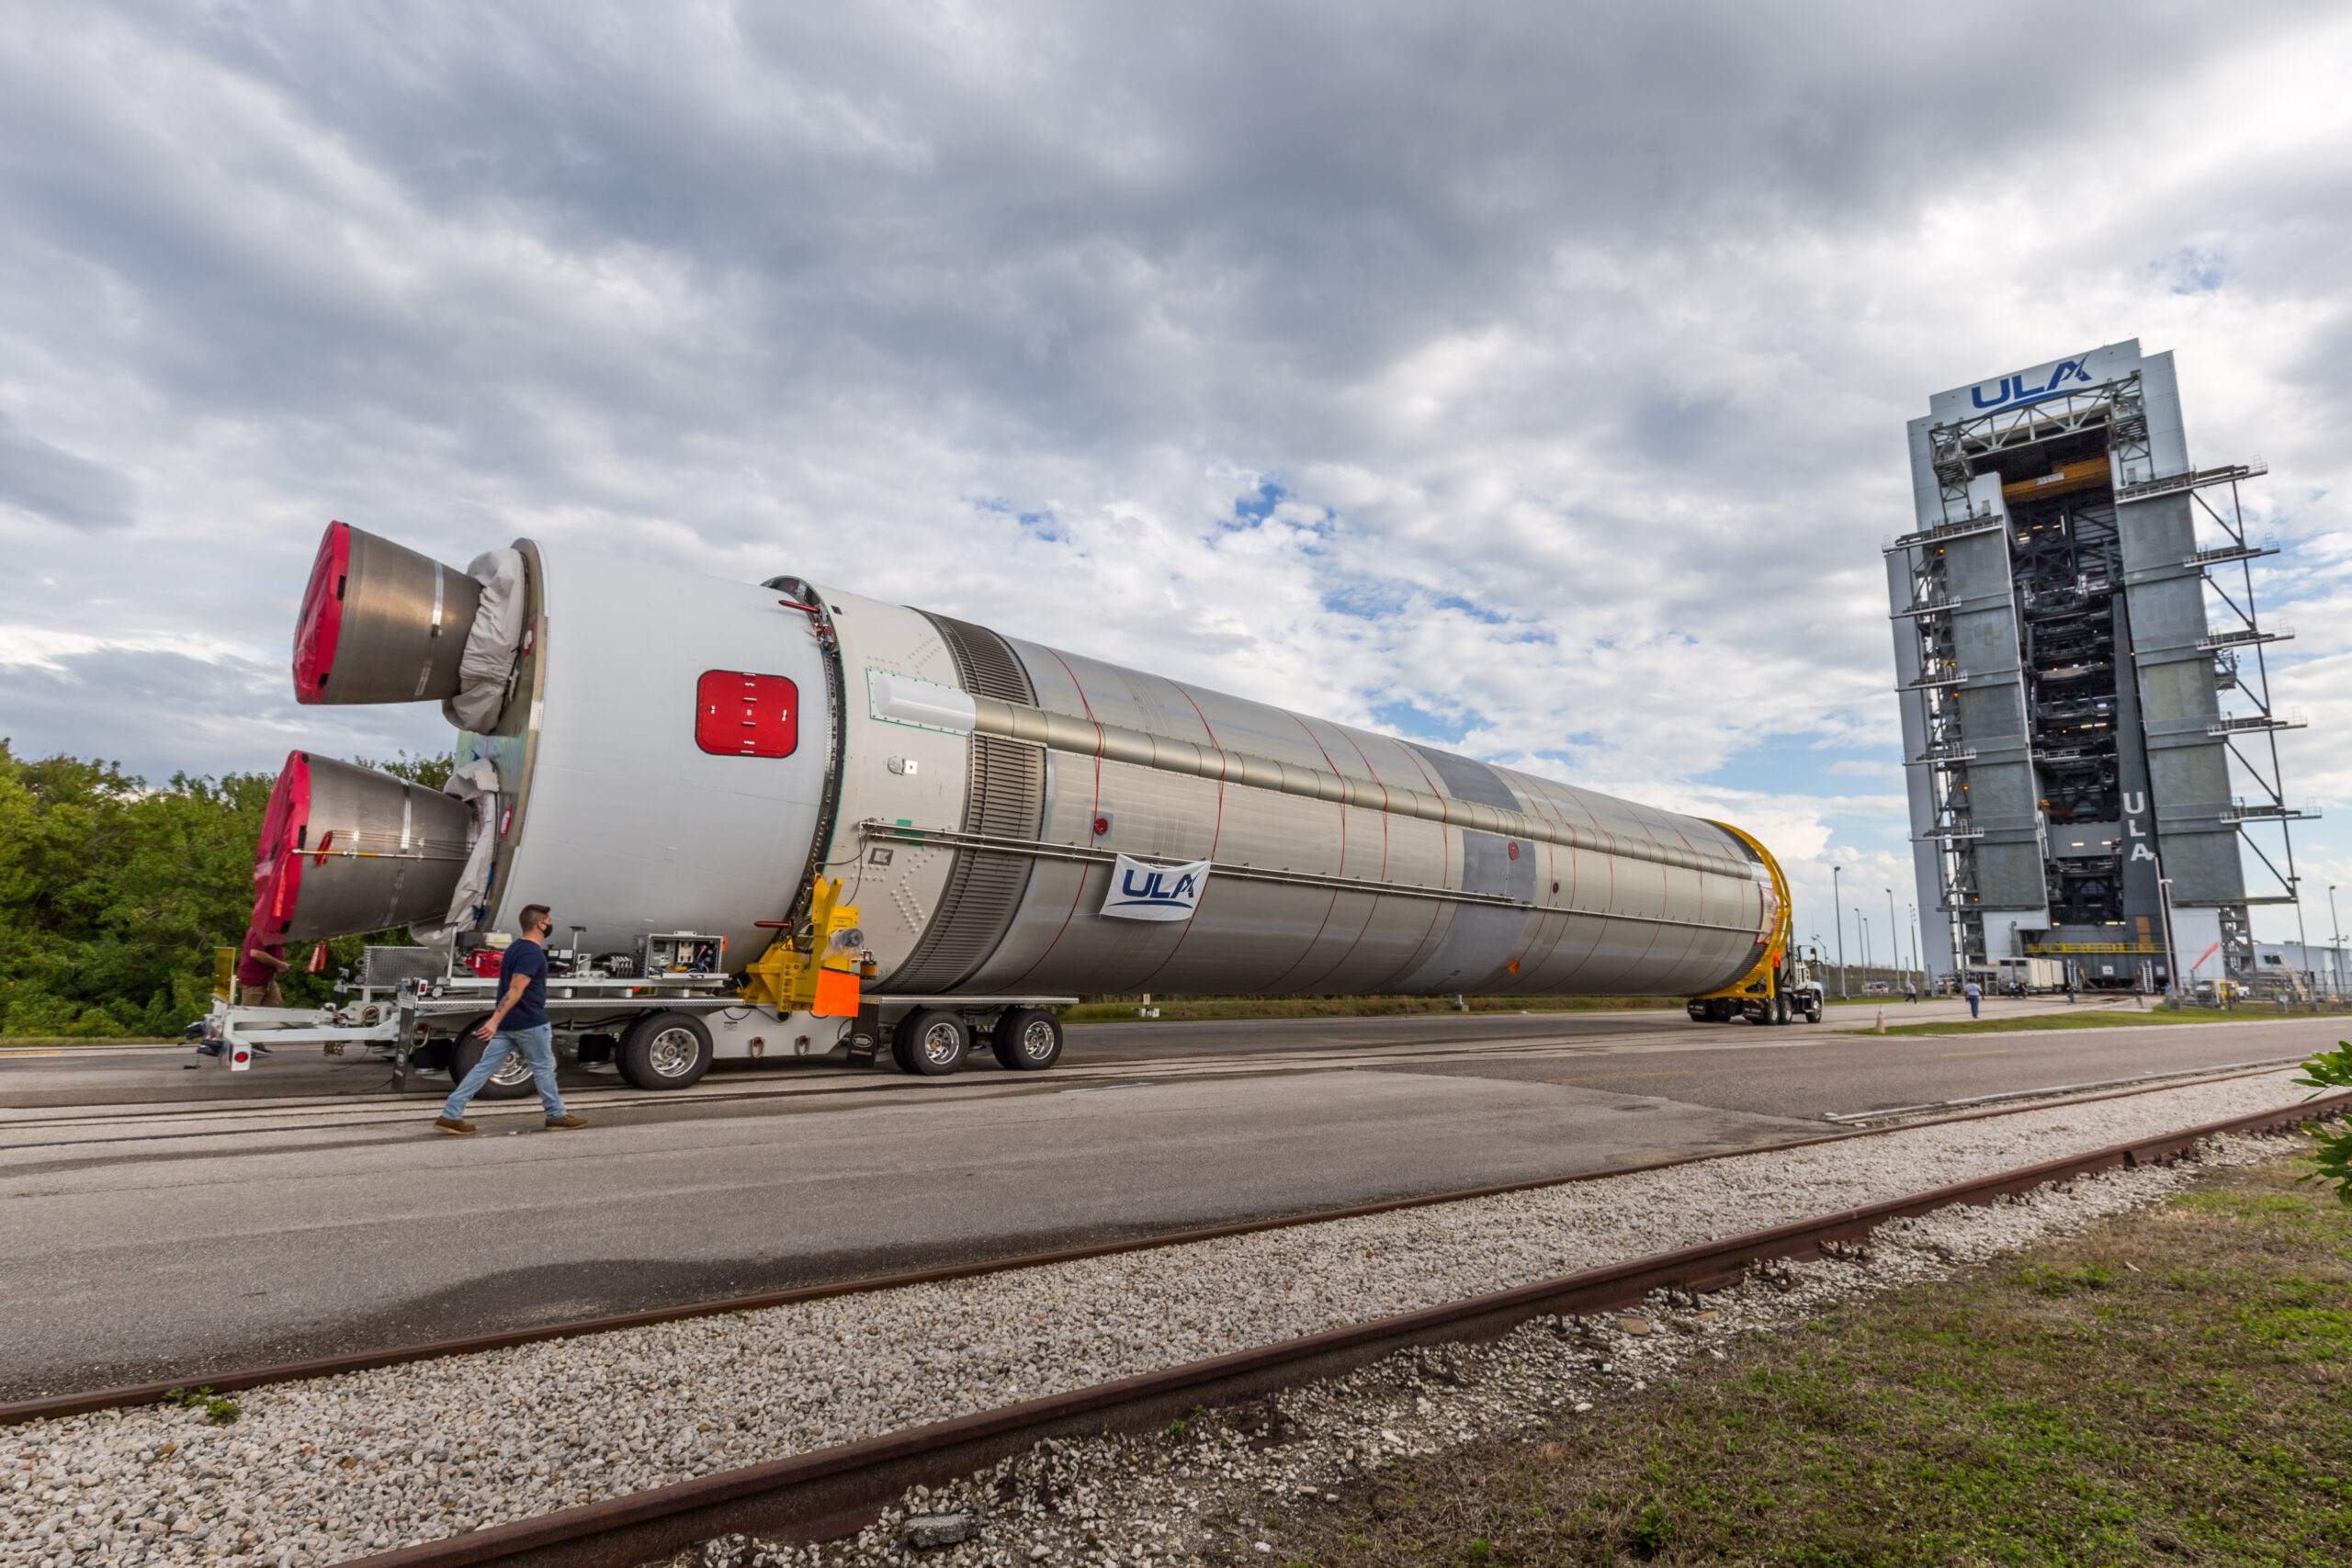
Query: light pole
point(1893, 940)
point(1862, 927)
point(2172, 960)
point(1911, 920)
point(1836, 902)
point(2336, 926)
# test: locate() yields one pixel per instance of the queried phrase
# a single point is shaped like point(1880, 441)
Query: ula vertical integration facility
point(2086, 714)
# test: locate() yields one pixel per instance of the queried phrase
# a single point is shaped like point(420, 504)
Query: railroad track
point(382, 1105)
point(833, 1491)
point(48, 1127)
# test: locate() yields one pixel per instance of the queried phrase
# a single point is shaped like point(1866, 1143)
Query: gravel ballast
point(335, 1468)
point(1214, 1488)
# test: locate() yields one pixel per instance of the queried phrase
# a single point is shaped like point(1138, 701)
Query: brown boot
point(452, 1125)
point(565, 1124)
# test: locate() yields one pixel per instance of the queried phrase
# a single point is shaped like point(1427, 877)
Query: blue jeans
point(1972, 1011)
point(537, 1044)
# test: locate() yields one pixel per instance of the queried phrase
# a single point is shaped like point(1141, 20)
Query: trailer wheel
point(1027, 1040)
point(669, 1050)
point(512, 1079)
point(1699, 1012)
point(931, 1044)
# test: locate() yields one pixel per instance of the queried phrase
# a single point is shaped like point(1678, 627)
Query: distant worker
point(523, 1009)
point(1911, 991)
point(258, 967)
point(1974, 993)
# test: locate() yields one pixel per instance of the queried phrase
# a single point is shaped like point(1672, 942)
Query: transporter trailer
point(657, 1017)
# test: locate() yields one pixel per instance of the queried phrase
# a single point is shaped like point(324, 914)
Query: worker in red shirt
point(258, 967)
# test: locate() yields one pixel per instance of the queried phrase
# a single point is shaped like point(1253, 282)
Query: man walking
point(523, 1009)
point(259, 968)
point(1970, 990)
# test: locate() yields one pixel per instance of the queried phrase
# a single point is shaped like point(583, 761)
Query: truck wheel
point(512, 1079)
point(1813, 1011)
point(932, 1043)
point(1027, 1040)
point(669, 1050)
point(1781, 1010)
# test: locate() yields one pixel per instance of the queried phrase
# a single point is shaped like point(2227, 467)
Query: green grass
point(218, 1411)
point(1174, 1007)
point(2107, 1016)
point(2166, 1388)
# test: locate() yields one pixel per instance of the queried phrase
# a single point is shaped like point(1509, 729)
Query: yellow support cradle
point(786, 979)
point(1761, 980)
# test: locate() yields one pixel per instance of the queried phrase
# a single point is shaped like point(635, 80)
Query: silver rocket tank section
point(677, 752)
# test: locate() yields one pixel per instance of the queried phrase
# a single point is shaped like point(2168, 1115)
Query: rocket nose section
point(380, 623)
point(346, 850)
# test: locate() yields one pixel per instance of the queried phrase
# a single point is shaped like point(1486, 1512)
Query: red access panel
point(741, 715)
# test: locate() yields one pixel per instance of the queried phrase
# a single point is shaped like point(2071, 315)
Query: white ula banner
point(1140, 892)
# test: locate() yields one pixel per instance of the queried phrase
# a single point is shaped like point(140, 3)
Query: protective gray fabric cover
point(491, 642)
point(476, 783)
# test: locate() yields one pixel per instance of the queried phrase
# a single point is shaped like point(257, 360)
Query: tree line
point(115, 894)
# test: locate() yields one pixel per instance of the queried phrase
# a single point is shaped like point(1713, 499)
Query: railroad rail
point(103, 1122)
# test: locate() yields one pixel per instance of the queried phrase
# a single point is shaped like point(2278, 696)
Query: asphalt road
point(161, 1223)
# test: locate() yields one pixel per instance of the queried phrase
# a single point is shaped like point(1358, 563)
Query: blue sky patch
point(1417, 723)
point(1789, 765)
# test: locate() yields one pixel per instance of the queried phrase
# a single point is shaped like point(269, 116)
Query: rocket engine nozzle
point(346, 850)
point(380, 623)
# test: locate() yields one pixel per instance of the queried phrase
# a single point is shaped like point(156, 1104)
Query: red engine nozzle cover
point(277, 861)
point(320, 630)
point(380, 623)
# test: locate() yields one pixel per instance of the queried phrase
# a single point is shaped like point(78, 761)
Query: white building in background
point(2091, 748)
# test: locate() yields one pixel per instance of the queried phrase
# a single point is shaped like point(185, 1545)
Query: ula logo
point(1140, 892)
point(2020, 389)
point(2135, 805)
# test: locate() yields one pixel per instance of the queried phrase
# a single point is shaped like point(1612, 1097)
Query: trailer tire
point(931, 1044)
point(512, 1079)
point(1027, 1040)
point(670, 1050)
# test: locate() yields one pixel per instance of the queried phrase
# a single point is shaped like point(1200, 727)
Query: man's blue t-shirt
point(524, 958)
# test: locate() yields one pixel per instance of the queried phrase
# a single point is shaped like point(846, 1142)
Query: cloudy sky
point(1529, 378)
